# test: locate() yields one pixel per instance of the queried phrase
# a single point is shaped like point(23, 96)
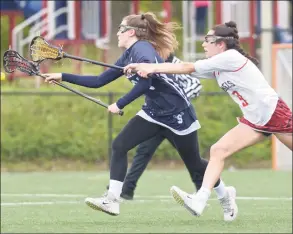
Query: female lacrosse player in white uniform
point(264, 113)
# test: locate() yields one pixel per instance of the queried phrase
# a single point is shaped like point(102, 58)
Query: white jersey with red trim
point(244, 82)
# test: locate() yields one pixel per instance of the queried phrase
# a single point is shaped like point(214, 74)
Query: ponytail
point(160, 35)
point(241, 51)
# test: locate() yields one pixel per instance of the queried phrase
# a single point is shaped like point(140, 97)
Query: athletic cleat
point(196, 203)
point(107, 203)
point(180, 196)
point(229, 205)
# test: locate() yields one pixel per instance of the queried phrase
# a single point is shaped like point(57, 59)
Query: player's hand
point(50, 77)
point(142, 69)
point(113, 108)
point(130, 68)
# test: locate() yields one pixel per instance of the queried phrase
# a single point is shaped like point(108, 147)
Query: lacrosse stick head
point(13, 61)
point(40, 49)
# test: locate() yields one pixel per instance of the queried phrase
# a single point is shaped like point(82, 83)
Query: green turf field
point(51, 202)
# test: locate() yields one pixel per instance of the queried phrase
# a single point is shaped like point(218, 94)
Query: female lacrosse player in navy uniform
point(167, 109)
point(146, 149)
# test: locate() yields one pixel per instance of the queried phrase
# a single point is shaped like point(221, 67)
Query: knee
point(218, 152)
point(118, 146)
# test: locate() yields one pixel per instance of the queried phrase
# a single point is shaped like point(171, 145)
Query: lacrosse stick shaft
point(91, 61)
point(82, 94)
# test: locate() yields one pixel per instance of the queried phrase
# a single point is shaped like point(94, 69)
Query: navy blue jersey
point(165, 101)
point(164, 95)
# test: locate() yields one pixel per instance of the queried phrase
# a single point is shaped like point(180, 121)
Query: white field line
point(140, 200)
point(38, 203)
point(72, 202)
point(40, 195)
point(81, 202)
point(137, 196)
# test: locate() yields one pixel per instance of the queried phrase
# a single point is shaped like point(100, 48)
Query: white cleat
point(229, 205)
point(108, 204)
point(180, 196)
point(196, 203)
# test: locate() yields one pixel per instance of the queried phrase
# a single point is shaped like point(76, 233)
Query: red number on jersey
point(244, 102)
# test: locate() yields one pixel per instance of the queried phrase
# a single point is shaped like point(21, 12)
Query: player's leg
point(188, 148)
point(136, 131)
point(144, 153)
point(188, 145)
point(236, 139)
point(286, 139)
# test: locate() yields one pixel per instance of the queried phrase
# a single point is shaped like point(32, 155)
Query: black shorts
point(267, 134)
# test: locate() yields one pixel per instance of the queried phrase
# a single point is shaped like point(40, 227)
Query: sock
point(115, 187)
point(220, 190)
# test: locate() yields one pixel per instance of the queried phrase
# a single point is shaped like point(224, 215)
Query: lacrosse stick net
point(13, 61)
point(40, 50)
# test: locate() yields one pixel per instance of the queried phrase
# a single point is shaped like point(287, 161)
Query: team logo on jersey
point(227, 85)
point(179, 118)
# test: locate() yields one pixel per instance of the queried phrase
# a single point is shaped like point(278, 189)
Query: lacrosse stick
point(40, 50)
point(12, 61)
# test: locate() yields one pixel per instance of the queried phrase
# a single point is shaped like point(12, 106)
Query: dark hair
point(229, 30)
point(160, 35)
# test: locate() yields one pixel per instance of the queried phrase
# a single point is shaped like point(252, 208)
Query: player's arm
point(89, 81)
point(138, 90)
point(227, 61)
point(188, 77)
point(141, 54)
point(93, 81)
point(144, 69)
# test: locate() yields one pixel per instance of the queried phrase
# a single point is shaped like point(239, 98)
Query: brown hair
point(229, 30)
point(160, 35)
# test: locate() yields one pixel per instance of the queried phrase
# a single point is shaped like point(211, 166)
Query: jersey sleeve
point(139, 89)
point(208, 75)
point(95, 81)
point(228, 61)
point(142, 53)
